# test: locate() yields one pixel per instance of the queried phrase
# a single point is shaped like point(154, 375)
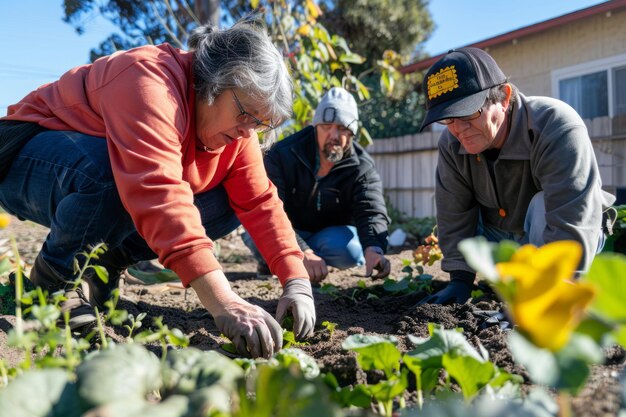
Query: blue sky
point(36, 46)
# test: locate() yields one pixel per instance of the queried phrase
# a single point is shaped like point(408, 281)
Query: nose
point(245, 130)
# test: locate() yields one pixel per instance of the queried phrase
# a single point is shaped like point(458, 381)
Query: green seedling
point(329, 326)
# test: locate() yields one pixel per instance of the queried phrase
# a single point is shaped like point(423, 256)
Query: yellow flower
point(5, 219)
point(544, 302)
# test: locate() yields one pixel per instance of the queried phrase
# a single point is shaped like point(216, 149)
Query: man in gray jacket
point(510, 166)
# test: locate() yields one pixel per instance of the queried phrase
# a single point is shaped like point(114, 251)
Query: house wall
point(529, 61)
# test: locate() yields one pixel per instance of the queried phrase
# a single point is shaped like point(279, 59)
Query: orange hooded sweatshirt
point(142, 101)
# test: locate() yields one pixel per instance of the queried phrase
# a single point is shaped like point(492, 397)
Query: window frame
point(608, 64)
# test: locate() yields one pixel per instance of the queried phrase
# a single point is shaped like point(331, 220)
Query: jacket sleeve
point(457, 209)
point(369, 210)
point(565, 167)
point(255, 201)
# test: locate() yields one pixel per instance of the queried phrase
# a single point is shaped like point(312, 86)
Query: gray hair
point(242, 57)
point(497, 95)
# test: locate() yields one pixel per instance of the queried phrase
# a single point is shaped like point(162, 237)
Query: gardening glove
point(458, 290)
point(375, 260)
point(253, 331)
point(297, 299)
point(315, 266)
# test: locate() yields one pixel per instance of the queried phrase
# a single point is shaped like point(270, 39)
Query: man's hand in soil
point(458, 290)
point(297, 299)
point(315, 266)
point(253, 331)
point(375, 260)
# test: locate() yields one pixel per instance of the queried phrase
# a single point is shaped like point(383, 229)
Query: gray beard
point(333, 153)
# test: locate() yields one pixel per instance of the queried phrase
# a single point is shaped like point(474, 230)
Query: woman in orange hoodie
point(155, 152)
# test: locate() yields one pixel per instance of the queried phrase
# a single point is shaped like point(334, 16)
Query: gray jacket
point(548, 149)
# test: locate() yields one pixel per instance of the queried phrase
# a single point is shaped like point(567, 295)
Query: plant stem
point(420, 394)
point(103, 338)
point(19, 289)
point(564, 401)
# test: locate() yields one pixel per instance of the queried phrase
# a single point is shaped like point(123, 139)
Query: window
point(587, 94)
point(594, 89)
point(619, 75)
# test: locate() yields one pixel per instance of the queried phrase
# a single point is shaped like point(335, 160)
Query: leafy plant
point(380, 353)
point(561, 323)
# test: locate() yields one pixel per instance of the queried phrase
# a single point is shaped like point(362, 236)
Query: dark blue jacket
point(351, 193)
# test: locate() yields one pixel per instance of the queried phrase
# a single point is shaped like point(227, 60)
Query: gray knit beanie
point(339, 107)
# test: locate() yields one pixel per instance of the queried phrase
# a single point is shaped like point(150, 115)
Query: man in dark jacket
point(331, 192)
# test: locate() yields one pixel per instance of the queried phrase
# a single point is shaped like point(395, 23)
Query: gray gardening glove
point(253, 331)
point(297, 299)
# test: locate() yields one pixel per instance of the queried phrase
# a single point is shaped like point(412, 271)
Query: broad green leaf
point(431, 350)
point(164, 275)
point(307, 364)
point(375, 352)
point(428, 377)
point(471, 374)
point(387, 390)
point(608, 274)
point(541, 364)
point(127, 372)
point(478, 254)
point(187, 370)
point(620, 335)
point(503, 251)
point(593, 327)
point(392, 285)
point(40, 393)
point(574, 360)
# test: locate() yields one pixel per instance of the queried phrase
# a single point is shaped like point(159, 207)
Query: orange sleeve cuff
point(194, 265)
point(289, 266)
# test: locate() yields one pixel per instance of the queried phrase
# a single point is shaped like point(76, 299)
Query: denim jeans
point(534, 226)
point(63, 180)
point(339, 246)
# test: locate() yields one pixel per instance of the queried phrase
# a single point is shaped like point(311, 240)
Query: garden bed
point(359, 305)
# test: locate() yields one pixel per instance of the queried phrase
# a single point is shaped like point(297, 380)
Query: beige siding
point(529, 61)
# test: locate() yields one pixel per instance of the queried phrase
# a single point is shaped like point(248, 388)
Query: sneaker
point(81, 312)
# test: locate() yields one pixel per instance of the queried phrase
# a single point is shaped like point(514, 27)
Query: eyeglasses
point(463, 119)
point(246, 118)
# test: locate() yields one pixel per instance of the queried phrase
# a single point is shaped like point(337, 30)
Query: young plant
point(378, 353)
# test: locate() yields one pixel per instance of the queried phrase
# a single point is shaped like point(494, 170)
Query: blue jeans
point(339, 246)
point(63, 180)
point(534, 226)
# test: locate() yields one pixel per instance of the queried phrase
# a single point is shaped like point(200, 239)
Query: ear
point(507, 100)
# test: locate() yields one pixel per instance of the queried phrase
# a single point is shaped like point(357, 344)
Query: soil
point(351, 309)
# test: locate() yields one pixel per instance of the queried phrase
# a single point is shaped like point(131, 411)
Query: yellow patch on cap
point(441, 82)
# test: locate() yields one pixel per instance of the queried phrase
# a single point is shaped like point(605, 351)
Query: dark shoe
point(115, 263)
point(80, 311)
point(263, 271)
